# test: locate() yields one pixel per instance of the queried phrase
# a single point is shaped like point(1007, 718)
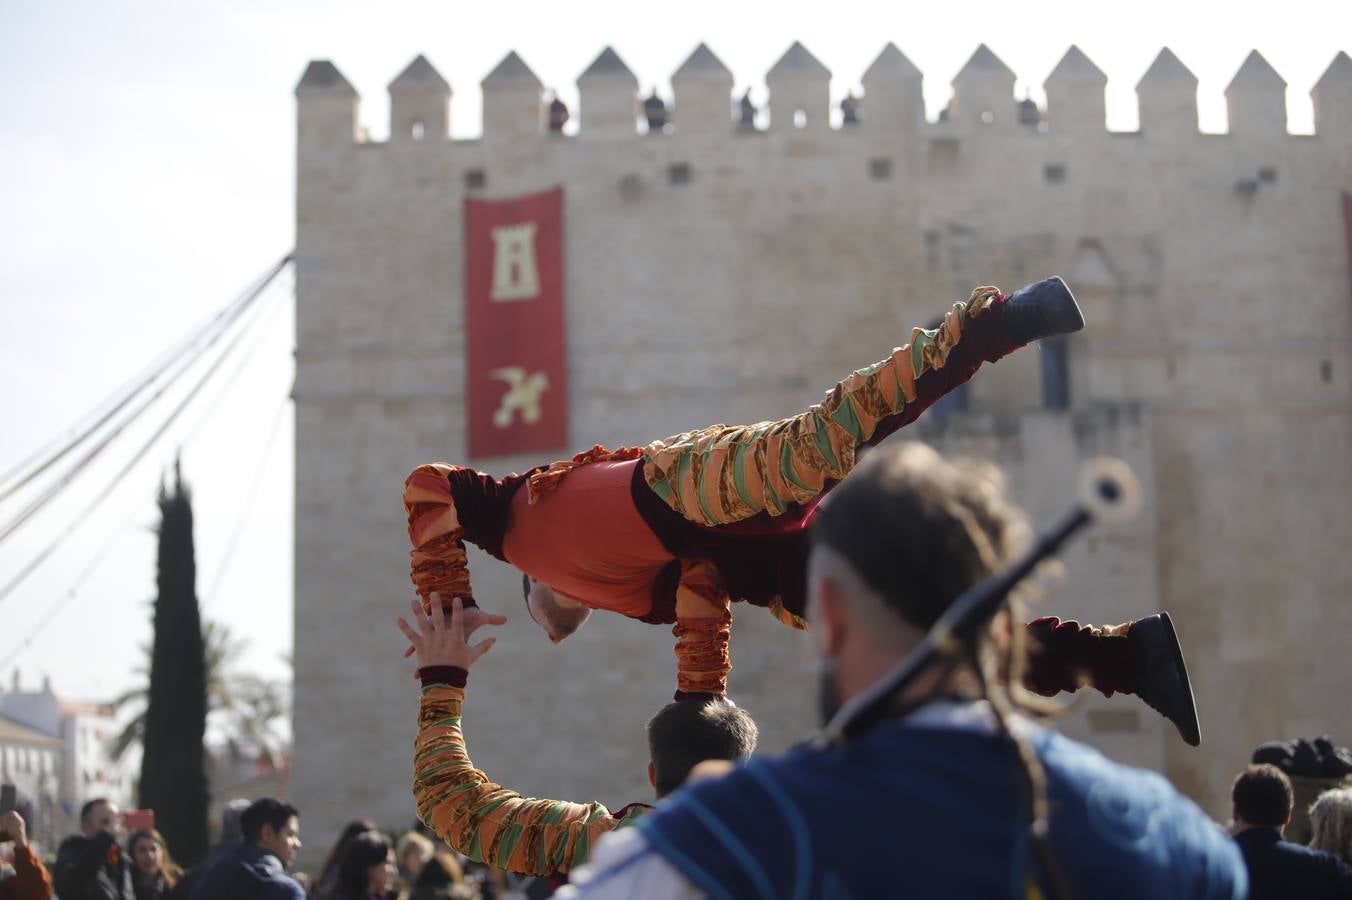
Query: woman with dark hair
point(326, 885)
point(154, 872)
point(367, 870)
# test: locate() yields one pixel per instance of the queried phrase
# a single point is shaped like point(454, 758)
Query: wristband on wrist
point(448, 675)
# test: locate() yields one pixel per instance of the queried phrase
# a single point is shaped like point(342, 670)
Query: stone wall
point(1217, 361)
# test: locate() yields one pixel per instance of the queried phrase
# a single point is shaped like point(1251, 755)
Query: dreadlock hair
point(920, 530)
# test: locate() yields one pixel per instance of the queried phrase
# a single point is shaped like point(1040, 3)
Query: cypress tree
point(173, 768)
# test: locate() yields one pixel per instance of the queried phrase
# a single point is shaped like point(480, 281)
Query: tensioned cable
point(81, 579)
point(187, 363)
point(129, 391)
point(47, 551)
point(243, 517)
point(132, 389)
point(67, 477)
point(36, 504)
point(256, 477)
point(74, 591)
point(262, 323)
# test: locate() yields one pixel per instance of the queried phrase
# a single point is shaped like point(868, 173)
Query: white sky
point(146, 161)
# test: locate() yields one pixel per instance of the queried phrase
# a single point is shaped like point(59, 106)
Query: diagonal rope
point(68, 477)
point(129, 391)
point(226, 383)
point(82, 579)
point(112, 484)
point(73, 591)
point(254, 483)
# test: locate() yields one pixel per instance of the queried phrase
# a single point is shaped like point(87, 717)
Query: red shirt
point(586, 540)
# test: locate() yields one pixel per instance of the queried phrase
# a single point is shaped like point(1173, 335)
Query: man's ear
point(652, 775)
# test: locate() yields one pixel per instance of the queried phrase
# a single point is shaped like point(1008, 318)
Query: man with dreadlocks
point(675, 531)
point(949, 794)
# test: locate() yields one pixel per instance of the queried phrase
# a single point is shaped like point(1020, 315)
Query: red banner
point(515, 352)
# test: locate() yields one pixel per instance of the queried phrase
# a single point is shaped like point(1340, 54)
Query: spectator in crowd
point(1262, 800)
point(490, 824)
point(443, 877)
point(227, 840)
point(90, 865)
point(412, 853)
point(490, 881)
point(1010, 809)
point(256, 869)
point(154, 872)
point(327, 884)
point(367, 870)
point(29, 879)
point(1331, 819)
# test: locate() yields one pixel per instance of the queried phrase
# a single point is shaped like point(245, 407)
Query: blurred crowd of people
point(254, 857)
point(256, 852)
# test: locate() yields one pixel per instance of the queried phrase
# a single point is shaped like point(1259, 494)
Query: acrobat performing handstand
point(674, 532)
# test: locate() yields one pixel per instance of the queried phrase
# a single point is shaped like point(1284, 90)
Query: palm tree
point(246, 711)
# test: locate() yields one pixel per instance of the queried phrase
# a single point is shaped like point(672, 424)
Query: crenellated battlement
point(610, 106)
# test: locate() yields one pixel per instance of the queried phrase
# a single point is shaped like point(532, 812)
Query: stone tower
point(717, 274)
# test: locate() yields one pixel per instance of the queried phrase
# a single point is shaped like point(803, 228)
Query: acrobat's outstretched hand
point(440, 643)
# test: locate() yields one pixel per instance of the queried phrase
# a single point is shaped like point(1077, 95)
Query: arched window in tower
point(800, 119)
point(419, 130)
point(1055, 356)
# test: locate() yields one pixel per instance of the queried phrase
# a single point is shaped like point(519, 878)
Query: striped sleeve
point(437, 561)
point(485, 821)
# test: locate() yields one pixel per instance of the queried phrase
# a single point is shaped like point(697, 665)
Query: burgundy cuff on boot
point(1065, 656)
point(983, 340)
